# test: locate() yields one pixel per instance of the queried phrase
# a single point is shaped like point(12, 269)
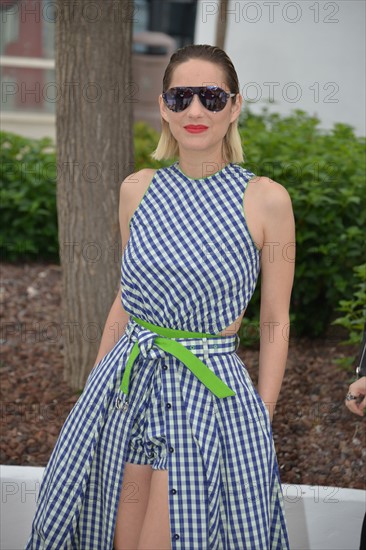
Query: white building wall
point(303, 55)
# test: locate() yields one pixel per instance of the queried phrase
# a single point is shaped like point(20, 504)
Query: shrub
point(28, 192)
point(324, 173)
point(28, 198)
point(354, 314)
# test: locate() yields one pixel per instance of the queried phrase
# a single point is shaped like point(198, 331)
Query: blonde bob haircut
point(232, 147)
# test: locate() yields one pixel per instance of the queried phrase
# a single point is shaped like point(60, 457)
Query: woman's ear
point(236, 107)
point(163, 109)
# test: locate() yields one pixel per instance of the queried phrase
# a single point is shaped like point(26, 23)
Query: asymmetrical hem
point(173, 393)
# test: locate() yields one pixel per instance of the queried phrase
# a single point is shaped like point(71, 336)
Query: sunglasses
point(212, 98)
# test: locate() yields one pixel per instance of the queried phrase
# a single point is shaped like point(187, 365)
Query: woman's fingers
point(357, 390)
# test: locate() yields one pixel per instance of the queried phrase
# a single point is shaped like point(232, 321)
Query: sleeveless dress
point(189, 268)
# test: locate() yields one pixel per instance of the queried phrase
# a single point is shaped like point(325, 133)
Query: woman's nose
point(195, 107)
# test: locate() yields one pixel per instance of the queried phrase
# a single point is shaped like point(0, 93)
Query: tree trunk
point(94, 154)
point(221, 24)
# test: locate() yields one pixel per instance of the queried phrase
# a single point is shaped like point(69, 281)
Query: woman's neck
point(198, 168)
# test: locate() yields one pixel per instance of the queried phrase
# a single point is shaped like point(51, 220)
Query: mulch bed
point(318, 441)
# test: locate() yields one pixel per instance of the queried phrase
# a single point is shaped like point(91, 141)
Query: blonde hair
point(232, 148)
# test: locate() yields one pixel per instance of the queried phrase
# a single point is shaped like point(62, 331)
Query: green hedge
point(28, 198)
point(324, 173)
point(354, 315)
point(28, 175)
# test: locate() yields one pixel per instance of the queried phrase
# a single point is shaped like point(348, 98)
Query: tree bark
point(221, 24)
point(94, 155)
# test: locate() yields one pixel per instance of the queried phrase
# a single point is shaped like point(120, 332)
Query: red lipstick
point(195, 128)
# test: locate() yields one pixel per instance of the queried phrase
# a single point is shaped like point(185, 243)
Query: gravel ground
point(318, 441)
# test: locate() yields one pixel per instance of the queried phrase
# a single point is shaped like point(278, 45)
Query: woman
point(170, 445)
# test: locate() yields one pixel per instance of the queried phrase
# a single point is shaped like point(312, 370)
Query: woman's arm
point(117, 318)
point(114, 328)
point(277, 267)
point(131, 192)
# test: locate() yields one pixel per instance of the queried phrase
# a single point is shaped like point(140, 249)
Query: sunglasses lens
point(178, 99)
point(214, 99)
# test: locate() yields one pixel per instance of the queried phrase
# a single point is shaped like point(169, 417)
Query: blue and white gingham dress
point(190, 264)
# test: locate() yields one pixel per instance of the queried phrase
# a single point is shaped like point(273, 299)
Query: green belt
point(191, 361)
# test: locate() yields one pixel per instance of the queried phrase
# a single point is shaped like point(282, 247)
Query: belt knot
point(146, 343)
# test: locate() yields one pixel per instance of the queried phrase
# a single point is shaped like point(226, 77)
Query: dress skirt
point(223, 480)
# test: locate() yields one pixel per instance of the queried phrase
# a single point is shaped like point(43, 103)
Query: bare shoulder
point(273, 196)
point(137, 181)
point(132, 190)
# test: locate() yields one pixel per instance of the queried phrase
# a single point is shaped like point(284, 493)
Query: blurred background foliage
point(323, 171)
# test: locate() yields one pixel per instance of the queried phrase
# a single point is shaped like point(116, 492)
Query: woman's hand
point(357, 393)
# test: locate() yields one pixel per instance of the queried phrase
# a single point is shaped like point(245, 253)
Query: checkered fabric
point(224, 486)
point(190, 262)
